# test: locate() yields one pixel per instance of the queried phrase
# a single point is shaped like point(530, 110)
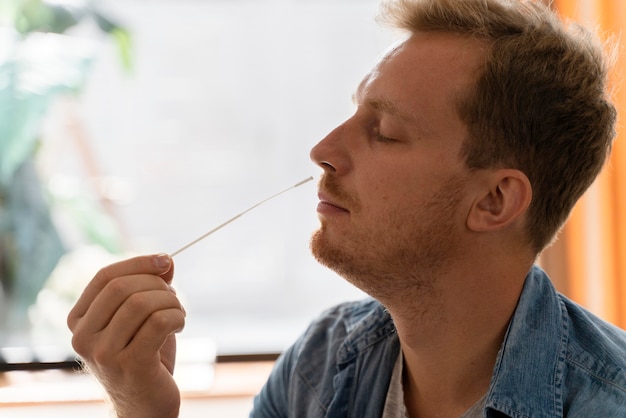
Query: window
point(221, 107)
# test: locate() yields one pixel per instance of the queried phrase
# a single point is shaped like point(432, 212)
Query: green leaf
point(42, 67)
point(43, 16)
point(121, 37)
point(33, 241)
point(124, 47)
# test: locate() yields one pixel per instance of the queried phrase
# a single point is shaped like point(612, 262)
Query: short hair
point(540, 102)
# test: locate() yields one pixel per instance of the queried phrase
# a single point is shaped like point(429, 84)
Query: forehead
point(421, 78)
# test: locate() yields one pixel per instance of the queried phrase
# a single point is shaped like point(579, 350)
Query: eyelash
point(382, 138)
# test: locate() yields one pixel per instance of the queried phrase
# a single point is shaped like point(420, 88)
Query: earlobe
point(505, 199)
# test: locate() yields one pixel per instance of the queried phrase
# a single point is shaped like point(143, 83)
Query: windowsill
point(221, 380)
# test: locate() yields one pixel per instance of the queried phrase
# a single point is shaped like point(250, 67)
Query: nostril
point(327, 166)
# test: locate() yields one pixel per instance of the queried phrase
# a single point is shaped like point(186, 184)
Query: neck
point(451, 337)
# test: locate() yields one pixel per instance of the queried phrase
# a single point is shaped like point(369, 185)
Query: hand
point(123, 326)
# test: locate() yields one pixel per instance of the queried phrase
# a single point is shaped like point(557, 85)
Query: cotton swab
point(217, 228)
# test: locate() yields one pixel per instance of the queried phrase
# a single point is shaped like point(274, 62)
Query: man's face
point(392, 195)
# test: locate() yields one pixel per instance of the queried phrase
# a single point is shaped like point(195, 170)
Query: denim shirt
point(556, 360)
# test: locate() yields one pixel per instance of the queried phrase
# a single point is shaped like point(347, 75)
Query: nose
point(331, 154)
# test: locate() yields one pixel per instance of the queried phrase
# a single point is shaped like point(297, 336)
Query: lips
point(328, 205)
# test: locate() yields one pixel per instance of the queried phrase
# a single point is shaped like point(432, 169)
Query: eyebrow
point(387, 106)
point(381, 103)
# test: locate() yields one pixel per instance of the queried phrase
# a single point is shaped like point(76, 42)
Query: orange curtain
point(588, 262)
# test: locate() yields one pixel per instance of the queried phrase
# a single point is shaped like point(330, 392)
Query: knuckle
point(85, 348)
point(161, 319)
point(80, 345)
point(101, 356)
point(71, 320)
point(103, 276)
point(180, 320)
point(117, 287)
point(169, 320)
point(137, 303)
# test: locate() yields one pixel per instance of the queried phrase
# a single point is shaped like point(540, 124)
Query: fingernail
point(163, 261)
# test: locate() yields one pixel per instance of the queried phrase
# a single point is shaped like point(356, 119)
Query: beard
point(399, 255)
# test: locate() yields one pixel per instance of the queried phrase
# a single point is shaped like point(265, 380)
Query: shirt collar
point(530, 366)
point(368, 324)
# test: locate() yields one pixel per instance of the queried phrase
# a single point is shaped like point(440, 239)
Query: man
point(471, 141)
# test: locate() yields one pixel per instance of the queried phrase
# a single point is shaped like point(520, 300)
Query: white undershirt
point(394, 403)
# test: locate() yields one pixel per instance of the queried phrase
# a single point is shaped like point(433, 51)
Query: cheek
point(396, 186)
point(401, 179)
point(384, 201)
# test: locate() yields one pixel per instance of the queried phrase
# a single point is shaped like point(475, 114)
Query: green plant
point(40, 60)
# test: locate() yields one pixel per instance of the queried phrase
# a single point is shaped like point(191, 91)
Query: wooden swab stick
point(217, 228)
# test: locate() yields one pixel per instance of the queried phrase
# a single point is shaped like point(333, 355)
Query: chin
point(351, 267)
point(318, 246)
point(327, 254)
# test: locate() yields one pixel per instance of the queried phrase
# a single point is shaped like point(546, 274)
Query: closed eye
point(382, 138)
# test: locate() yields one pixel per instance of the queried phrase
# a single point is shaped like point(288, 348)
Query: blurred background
point(133, 126)
point(147, 130)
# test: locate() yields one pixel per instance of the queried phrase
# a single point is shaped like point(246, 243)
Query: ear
point(504, 198)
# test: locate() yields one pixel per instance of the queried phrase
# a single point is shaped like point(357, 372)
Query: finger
point(103, 345)
point(167, 353)
point(153, 334)
point(113, 296)
point(159, 264)
point(143, 310)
